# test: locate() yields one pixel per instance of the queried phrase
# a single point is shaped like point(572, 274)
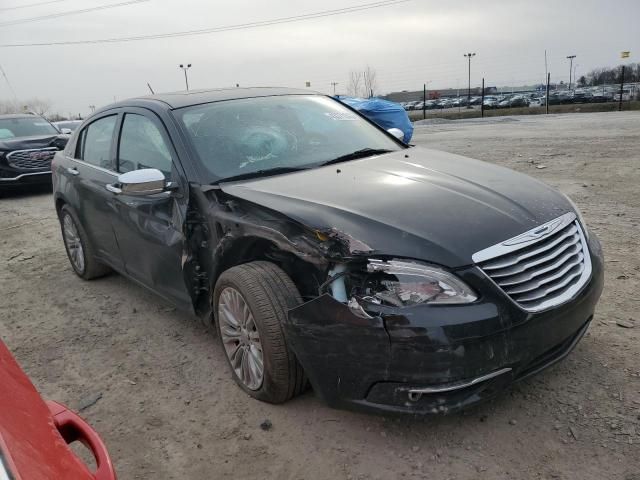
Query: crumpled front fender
point(342, 354)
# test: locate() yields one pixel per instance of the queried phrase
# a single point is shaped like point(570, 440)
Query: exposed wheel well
point(306, 276)
point(59, 204)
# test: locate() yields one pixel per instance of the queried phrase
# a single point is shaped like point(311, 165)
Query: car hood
point(25, 143)
point(415, 203)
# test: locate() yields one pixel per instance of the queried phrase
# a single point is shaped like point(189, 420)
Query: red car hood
point(32, 446)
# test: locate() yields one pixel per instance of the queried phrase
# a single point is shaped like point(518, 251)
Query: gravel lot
point(155, 384)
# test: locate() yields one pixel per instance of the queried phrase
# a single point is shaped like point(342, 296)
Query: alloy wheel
point(240, 337)
point(73, 242)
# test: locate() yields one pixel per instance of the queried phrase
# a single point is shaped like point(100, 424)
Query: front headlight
point(404, 283)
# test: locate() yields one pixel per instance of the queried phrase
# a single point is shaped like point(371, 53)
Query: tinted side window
point(95, 142)
point(142, 146)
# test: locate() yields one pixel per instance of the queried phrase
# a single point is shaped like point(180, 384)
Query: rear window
point(25, 127)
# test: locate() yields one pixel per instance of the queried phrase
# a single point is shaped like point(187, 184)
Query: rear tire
point(79, 249)
point(256, 331)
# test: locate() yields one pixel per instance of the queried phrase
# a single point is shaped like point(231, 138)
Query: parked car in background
point(581, 96)
point(67, 125)
point(599, 97)
point(626, 96)
point(34, 434)
point(393, 278)
point(411, 105)
point(518, 101)
point(27, 145)
point(388, 115)
point(537, 102)
point(490, 102)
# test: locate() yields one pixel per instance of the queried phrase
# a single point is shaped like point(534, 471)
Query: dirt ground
point(155, 384)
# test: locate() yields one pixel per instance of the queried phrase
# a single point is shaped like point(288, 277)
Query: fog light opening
point(415, 396)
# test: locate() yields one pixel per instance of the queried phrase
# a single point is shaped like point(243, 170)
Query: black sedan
point(324, 250)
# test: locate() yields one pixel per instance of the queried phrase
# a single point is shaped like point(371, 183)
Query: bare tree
point(8, 106)
point(362, 83)
point(39, 106)
point(35, 105)
point(354, 86)
point(370, 81)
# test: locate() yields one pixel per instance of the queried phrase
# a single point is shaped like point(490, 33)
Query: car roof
point(197, 97)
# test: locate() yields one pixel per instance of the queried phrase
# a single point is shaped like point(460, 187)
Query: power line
point(8, 83)
point(70, 12)
point(226, 28)
point(31, 5)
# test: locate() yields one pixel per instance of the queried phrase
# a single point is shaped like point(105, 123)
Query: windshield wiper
point(260, 173)
point(365, 152)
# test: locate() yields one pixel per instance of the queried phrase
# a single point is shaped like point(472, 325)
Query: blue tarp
point(383, 112)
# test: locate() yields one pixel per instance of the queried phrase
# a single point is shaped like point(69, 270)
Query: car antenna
point(149, 85)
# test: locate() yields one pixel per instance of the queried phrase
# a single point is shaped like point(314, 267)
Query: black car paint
point(434, 345)
point(125, 225)
point(409, 204)
point(36, 176)
point(404, 203)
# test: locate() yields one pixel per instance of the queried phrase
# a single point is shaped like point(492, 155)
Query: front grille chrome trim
point(523, 240)
point(541, 268)
point(416, 393)
point(26, 160)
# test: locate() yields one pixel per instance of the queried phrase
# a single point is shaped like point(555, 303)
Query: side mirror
point(396, 132)
point(66, 131)
point(147, 181)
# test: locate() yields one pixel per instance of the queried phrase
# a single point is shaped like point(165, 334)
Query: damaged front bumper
point(433, 359)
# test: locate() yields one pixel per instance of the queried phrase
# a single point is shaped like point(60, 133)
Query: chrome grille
point(541, 268)
point(33, 159)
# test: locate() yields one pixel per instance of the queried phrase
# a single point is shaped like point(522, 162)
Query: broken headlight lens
point(403, 283)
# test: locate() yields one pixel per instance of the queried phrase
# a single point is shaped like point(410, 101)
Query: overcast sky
point(407, 44)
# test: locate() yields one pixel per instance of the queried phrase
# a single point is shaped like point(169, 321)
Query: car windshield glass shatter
point(237, 137)
point(142, 146)
point(25, 127)
point(97, 142)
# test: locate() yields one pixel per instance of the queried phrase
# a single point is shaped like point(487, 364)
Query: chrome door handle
point(112, 188)
point(73, 171)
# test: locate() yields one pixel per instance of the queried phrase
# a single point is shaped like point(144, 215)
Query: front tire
point(250, 304)
point(79, 249)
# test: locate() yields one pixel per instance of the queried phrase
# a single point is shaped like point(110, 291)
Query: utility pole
point(92, 108)
point(469, 56)
point(184, 69)
point(482, 100)
point(333, 84)
point(621, 89)
point(546, 69)
point(546, 103)
point(570, 57)
point(424, 100)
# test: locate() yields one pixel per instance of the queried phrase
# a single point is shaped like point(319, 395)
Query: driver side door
point(149, 228)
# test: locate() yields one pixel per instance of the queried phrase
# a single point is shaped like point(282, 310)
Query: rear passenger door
point(88, 172)
point(149, 229)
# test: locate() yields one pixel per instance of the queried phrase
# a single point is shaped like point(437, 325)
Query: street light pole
point(184, 69)
point(570, 57)
point(469, 56)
